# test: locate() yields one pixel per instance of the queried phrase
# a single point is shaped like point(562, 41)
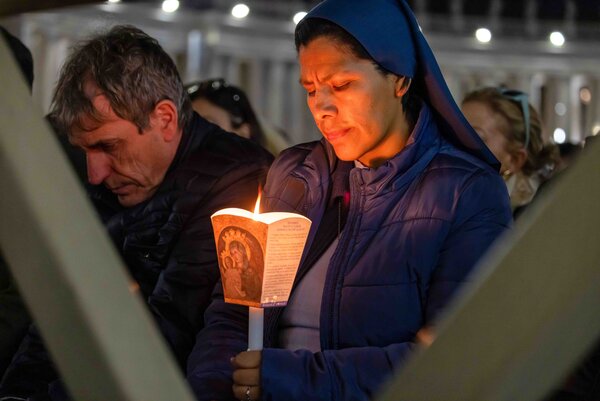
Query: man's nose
point(98, 167)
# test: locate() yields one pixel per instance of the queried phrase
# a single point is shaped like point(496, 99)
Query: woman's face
point(357, 109)
point(490, 127)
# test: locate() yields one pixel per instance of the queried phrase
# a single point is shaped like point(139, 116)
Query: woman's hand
point(425, 336)
point(246, 375)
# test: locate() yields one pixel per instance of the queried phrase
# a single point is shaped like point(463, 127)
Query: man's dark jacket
point(167, 241)
point(14, 318)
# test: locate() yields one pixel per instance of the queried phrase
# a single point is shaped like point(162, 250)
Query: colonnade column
point(275, 84)
point(195, 56)
point(576, 131)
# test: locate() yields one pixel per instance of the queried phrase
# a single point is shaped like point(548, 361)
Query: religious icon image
point(241, 262)
point(259, 254)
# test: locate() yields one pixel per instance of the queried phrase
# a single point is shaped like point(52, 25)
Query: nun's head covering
point(389, 32)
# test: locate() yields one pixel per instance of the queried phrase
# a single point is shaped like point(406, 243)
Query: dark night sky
point(586, 10)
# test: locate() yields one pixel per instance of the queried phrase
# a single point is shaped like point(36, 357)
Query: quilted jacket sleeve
point(184, 287)
point(14, 317)
point(224, 335)
point(31, 372)
point(209, 371)
point(482, 214)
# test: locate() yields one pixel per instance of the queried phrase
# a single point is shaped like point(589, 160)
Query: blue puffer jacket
point(416, 227)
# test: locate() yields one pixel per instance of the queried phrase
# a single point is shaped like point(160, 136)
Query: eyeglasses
point(523, 100)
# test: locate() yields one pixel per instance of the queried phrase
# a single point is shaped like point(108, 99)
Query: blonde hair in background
point(540, 154)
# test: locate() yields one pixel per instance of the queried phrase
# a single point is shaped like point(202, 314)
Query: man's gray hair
point(130, 69)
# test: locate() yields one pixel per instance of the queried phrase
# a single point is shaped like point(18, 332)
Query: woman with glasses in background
point(512, 129)
point(226, 106)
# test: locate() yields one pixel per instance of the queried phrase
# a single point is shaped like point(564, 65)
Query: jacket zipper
point(333, 282)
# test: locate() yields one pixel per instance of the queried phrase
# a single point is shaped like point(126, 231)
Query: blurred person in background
point(568, 153)
point(404, 198)
point(512, 130)
point(228, 107)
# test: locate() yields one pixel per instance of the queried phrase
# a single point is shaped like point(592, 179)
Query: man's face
point(129, 163)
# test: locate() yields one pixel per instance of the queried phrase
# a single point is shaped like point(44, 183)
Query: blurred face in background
point(219, 116)
point(491, 127)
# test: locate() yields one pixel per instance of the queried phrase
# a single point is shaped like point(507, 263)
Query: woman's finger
point(246, 377)
point(246, 393)
point(247, 359)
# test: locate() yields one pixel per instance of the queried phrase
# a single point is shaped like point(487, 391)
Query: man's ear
point(401, 85)
point(165, 117)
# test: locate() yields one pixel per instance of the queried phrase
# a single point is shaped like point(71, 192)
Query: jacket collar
point(423, 144)
point(193, 134)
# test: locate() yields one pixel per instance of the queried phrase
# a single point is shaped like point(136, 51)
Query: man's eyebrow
point(99, 144)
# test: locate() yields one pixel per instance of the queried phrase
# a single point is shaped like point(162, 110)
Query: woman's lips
point(333, 135)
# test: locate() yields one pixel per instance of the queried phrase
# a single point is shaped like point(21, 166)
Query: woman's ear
point(401, 85)
point(164, 117)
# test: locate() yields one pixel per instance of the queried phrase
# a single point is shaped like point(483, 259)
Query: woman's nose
point(324, 104)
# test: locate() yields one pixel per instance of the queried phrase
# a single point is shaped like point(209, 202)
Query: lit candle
point(255, 315)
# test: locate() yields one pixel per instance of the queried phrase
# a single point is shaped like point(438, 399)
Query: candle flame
point(257, 206)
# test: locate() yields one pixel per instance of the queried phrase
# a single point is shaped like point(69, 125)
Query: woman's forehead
point(324, 53)
point(330, 44)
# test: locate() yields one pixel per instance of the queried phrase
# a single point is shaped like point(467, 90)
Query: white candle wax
point(255, 328)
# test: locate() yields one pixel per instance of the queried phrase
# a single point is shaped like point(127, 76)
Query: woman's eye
point(310, 93)
point(341, 86)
